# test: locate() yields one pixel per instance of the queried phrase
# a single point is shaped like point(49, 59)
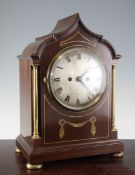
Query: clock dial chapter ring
point(76, 84)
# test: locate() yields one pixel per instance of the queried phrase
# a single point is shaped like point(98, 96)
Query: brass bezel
point(96, 100)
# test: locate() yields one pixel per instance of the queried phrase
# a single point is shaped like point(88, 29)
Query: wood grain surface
point(13, 164)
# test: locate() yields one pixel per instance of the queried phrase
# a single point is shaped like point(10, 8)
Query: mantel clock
point(67, 95)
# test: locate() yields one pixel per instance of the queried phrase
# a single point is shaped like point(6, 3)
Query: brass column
point(35, 102)
point(113, 98)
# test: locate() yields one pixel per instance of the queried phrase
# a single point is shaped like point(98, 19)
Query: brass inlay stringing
point(113, 98)
point(35, 102)
point(75, 140)
point(92, 122)
point(70, 40)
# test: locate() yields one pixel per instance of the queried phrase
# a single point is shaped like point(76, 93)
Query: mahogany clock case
point(75, 137)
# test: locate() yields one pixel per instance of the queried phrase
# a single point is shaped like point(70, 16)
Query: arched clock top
point(69, 29)
point(115, 56)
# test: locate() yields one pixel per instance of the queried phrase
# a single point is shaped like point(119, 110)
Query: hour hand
point(79, 79)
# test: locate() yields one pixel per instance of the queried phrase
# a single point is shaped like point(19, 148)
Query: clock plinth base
point(33, 166)
point(40, 152)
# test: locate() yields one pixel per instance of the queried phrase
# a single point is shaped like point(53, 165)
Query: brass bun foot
point(118, 155)
point(33, 166)
point(35, 137)
point(17, 150)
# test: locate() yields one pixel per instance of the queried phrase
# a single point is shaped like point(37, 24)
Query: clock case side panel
point(25, 98)
point(113, 63)
point(27, 60)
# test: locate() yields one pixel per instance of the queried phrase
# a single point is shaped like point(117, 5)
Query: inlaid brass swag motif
point(91, 121)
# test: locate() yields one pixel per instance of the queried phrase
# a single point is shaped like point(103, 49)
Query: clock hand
point(79, 78)
point(82, 78)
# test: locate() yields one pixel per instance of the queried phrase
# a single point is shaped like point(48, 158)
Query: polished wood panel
point(25, 97)
point(14, 164)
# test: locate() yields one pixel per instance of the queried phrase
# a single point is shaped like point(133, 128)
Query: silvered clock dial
point(77, 78)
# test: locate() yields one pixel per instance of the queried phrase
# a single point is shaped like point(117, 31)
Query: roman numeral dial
point(68, 58)
point(77, 102)
point(59, 67)
point(67, 98)
point(77, 77)
point(56, 79)
point(78, 56)
point(59, 90)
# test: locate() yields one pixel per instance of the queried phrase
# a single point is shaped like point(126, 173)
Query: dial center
point(69, 79)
